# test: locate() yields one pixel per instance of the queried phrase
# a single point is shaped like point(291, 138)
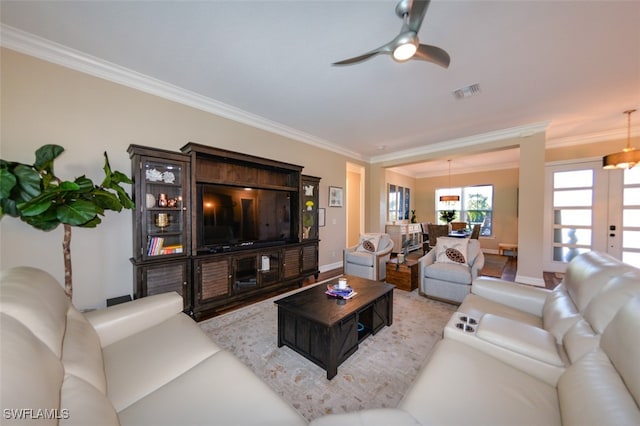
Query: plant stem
point(66, 252)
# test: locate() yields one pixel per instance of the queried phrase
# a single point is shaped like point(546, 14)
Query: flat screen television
point(234, 218)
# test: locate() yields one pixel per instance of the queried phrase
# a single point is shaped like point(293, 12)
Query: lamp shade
point(628, 157)
point(621, 160)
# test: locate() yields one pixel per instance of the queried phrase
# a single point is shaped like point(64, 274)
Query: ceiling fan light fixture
point(628, 157)
point(406, 47)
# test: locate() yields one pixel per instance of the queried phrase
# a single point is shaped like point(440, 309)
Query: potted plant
point(447, 215)
point(38, 197)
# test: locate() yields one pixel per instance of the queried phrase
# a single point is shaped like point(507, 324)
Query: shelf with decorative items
point(161, 221)
point(309, 200)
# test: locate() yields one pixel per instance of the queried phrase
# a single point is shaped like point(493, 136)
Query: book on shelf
point(155, 246)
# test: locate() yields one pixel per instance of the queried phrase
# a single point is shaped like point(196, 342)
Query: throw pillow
point(452, 250)
point(369, 242)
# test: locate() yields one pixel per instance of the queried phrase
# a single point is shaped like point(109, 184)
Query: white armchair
point(446, 276)
point(369, 258)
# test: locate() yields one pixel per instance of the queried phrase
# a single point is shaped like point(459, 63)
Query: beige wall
point(505, 201)
point(43, 103)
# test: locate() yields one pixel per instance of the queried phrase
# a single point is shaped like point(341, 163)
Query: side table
point(404, 275)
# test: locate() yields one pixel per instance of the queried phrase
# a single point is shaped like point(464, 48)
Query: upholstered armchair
point(369, 258)
point(446, 272)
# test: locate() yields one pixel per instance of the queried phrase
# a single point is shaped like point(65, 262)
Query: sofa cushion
point(140, 364)
point(621, 343)
point(588, 273)
point(592, 393)
point(613, 296)
point(85, 405)
point(559, 313)
point(219, 390)
point(476, 306)
point(362, 258)
point(31, 373)
point(82, 353)
point(449, 271)
point(37, 300)
point(461, 385)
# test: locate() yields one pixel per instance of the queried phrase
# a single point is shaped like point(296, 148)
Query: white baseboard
point(330, 266)
point(538, 282)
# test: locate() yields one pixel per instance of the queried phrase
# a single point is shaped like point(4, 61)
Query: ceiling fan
point(406, 45)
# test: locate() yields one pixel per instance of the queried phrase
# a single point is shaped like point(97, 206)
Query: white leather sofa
point(520, 355)
point(139, 363)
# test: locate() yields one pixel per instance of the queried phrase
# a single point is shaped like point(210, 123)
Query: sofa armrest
point(521, 338)
point(119, 321)
point(519, 296)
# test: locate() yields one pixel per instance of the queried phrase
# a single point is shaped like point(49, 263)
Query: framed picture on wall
point(335, 196)
point(321, 217)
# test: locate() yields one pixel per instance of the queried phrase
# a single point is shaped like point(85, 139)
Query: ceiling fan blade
point(357, 58)
point(382, 49)
point(433, 54)
point(416, 14)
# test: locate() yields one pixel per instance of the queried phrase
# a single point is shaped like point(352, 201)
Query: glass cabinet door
point(164, 209)
point(309, 205)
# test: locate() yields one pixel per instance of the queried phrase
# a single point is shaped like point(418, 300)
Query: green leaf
point(7, 182)
point(35, 206)
point(9, 207)
point(125, 200)
point(84, 184)
point(119, 177)
point(28, 180)
point(77, 212)
point(45, 156)
point(67, 186)
point(41, 222)
point(92, 223)
point(107, 200)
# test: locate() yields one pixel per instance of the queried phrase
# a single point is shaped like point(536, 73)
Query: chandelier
point(449, 198)
point(628, 157)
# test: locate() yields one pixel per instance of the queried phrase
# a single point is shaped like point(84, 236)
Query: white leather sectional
point(511, 355)
point(520, 355)
point(139, 363)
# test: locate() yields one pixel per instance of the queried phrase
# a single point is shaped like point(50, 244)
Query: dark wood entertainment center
point(264, 240)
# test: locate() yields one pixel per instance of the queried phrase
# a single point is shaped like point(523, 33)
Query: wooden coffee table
point(326, 330)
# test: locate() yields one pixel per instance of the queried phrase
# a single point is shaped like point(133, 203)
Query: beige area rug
point(377, 375)
point(494, 265)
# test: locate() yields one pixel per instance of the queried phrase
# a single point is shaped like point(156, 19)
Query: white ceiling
point(573, 66)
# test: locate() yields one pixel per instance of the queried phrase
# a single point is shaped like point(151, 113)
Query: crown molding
point(465, 142)
point(47, 50)
point(603, 136)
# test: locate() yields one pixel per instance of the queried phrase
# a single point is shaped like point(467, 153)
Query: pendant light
point(628, 157)
point(449, 198)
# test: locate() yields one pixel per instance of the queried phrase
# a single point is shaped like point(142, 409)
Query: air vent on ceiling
point(467, 91)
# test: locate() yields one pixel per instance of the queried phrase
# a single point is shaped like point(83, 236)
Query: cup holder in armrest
point(468, 320)
point(465, 327)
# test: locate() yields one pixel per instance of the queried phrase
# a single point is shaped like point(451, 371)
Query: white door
point(588, 208)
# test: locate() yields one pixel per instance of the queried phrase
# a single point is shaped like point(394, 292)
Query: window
point(398, 203)
point(475, 207)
